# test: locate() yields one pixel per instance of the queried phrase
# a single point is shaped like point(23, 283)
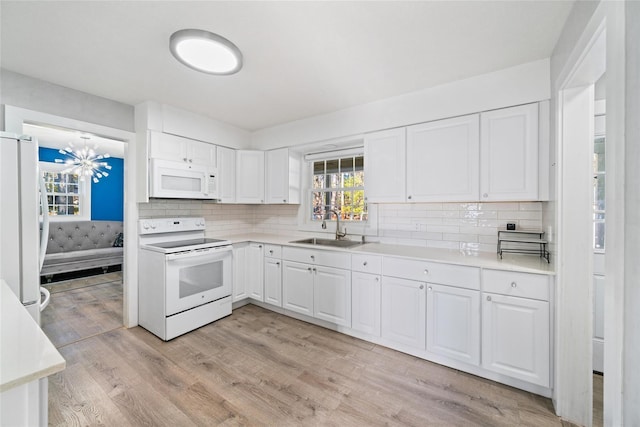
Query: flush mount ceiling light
point(206, 52)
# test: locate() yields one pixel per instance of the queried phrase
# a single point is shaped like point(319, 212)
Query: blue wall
point(107, 196)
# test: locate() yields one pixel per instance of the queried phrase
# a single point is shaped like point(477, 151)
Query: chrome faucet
point(339, 234)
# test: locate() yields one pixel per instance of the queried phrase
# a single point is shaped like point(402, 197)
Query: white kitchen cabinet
point(283, 168)
point(403, 312)
point(365, 302)
point(297, 287)
point(240, 290)
point(227, 174)
point(443, 159)
point(385, 165)
point(273, 275)
point(249, 176)
point(178, 149)
point(453, 323)
point(509, 154)
point(332, 295)
point(515, 337)
point(254, 267)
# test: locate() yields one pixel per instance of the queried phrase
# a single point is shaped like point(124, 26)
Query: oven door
point(197, 277)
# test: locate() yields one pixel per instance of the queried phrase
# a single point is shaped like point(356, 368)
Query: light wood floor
point(257, 367)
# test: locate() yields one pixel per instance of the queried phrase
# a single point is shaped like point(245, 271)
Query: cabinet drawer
point(525, 285)
point(318, 257)
point(432, 272)
point(273, 251)
point(366, 263)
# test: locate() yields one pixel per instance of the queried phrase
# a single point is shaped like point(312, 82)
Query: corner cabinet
point(443, 160)
point(249, 176)
point(283, 176)
point(509, 154)
point(384, 166)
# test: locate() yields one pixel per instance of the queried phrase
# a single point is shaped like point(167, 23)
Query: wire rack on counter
point(528, 242)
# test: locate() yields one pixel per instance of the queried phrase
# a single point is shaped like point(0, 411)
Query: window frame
point(84, 194)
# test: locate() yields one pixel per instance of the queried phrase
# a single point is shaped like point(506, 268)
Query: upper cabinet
point(500, 155)
point(282, 179)
point(175, 148)
point(249, 176)
point(509, 154)
point(384, 166)
point(442, 160)
point(227, 174)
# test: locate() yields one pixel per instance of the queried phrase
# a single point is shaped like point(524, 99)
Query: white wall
point(512, 86)
point(38, 95)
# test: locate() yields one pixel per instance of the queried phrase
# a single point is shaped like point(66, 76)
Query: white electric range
point(184, 279)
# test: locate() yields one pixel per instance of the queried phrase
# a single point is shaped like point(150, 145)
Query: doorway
point(16, 118)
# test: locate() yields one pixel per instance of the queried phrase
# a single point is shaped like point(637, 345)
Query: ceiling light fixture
point(205, 52)
point(84, 162)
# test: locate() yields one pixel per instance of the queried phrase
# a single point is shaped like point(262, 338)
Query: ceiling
point(301, 59)
point(54, 137)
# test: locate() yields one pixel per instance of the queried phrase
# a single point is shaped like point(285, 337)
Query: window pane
point(346, 165)
point(359, 163)
point(598, 234)
point(334, 180)
point(332, 166)
point(318, 168)
point(318, 181)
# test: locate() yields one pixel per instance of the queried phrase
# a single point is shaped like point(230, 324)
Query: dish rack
point(533, 238)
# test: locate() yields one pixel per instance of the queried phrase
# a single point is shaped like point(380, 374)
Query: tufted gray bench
point(81, 245)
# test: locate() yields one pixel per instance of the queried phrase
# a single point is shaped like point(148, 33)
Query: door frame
point(15, 117)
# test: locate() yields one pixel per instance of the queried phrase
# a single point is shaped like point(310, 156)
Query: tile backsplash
point(465, 226)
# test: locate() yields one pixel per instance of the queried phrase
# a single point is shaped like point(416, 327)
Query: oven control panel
point(170, 225)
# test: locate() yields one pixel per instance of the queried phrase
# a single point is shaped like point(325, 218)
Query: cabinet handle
point(514, 285)
point(312, 257)
point(184, 159)
point(377, 279)
point(284, 200)
point(278, 264)
point(260, 246)
point(421, 286)
point(426, 271)
point(314, 270)
point(409, 197)
point(190, 160)
point(488, 298)
point(485, 195)
point(271, 251)
point(364, 263)
point(430, 288)
point(309, 268)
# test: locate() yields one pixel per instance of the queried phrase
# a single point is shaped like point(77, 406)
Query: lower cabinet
point(239, 272)
point(273, 281)
point(332, 295)
point(365, 303)
point(515, 337)
point(403, 311)
point(453, 323)
point(297, 287)
point(254, 271)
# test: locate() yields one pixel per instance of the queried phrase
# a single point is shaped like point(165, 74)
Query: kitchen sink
point(328, 242)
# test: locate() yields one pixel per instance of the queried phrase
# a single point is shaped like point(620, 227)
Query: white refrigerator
point(23, 228)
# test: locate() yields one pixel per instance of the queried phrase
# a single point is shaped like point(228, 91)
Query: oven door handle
point(214, 253)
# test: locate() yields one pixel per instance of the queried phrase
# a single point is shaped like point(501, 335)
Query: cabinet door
point(249, 176)
point(297, 287)
point(227, 172)
point(254, 266)
point(202, 153)
point(332, 295)
point(384, 166)
point(509, 154)
point(453, 323)
point(403, 311)
point(168, 147)
point(273, 281)
point(239, 273)
point(515, 337)
point(365, 303)
point(443, 160)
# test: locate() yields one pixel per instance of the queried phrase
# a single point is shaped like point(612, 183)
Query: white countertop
point(511, 262)
point(26, 354)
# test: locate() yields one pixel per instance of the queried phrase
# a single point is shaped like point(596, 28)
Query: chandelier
point(84, 161)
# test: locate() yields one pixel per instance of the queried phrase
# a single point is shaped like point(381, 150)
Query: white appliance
point(182, 180)
point(184, 278)
point(23, 196)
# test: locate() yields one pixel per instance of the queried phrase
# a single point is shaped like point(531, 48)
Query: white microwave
point(178, 180)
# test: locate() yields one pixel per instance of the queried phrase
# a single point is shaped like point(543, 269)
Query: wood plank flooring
point(257, 367)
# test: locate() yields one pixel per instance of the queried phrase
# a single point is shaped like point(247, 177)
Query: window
point(67, 195)
point(598, 192)
point(338, 188)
